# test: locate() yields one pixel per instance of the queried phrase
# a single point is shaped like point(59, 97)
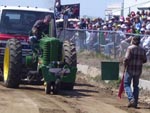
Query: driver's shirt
point(41, 27)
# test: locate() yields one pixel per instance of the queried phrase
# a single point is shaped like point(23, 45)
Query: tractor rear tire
point(12, 63)
point(70, 57)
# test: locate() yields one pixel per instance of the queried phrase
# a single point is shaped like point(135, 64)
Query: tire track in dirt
point(107, 94)
point(48, 103)
point(14, 101)
point(85, 98)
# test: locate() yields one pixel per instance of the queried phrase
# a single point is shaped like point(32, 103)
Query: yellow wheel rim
point(6, 63)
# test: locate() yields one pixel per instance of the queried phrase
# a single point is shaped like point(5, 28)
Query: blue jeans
point(127, 86)
point(33, 42)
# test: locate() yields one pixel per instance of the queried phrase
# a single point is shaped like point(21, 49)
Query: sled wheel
point(56, 86)
point(48, 87)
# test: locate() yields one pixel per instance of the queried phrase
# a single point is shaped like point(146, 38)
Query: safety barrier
point(109, 43)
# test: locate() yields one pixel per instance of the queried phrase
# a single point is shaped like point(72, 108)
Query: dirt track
point(85, 98)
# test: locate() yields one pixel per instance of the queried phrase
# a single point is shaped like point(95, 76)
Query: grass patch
point(108, 83)
point(146, 66)
point(114, 83)
point(92, 55)
point(94, 58)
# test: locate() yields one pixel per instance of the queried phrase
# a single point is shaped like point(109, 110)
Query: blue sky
point(93, 8)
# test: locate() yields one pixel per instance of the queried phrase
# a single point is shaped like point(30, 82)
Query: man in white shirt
point(145, 40)
point(145, 43)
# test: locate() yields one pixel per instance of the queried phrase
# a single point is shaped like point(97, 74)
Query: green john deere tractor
point(54, 64)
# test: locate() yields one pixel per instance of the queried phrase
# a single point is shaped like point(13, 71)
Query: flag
point(121, 87)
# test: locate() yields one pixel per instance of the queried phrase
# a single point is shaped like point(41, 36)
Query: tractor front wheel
point(12, 63)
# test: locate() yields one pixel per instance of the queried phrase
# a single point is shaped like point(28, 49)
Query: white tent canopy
point(144, 7)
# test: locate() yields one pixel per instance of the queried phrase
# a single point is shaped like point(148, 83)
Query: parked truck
point(16, 22)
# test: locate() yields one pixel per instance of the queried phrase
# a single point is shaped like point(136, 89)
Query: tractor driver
point(39, 28)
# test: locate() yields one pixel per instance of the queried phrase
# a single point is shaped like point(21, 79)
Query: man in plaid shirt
point(134, 58)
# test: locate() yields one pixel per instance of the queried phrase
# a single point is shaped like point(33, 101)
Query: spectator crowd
point(66, 11)
point(134, 23)
point(114, 33)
